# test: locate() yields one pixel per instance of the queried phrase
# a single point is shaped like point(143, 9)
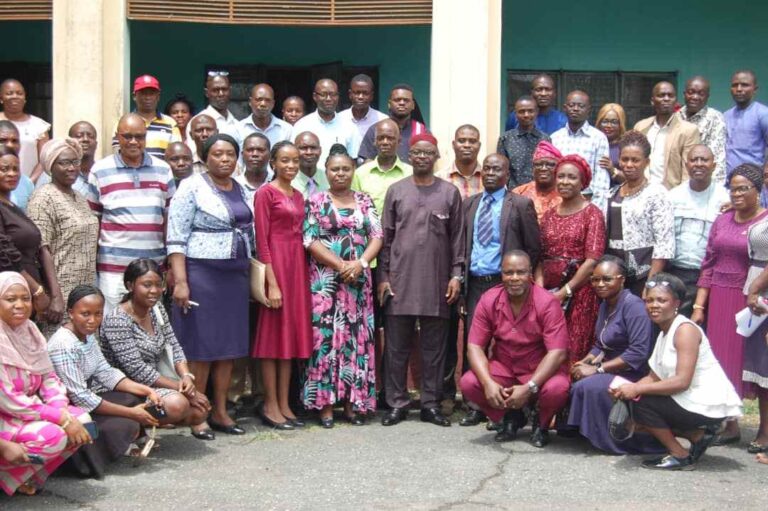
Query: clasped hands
point(503, 398)
point(350, 270)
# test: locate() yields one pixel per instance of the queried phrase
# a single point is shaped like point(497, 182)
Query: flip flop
point(725, 440)
point(755, 448)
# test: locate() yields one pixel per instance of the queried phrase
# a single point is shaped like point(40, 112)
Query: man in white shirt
point(696, 204)
point(324, 122)
point(261, 120)
point(360, 114)
point(218, 93)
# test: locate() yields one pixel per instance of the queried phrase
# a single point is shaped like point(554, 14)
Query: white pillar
point(91, 58)
point(465, 77)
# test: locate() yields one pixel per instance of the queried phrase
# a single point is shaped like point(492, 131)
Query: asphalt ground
point(409, 466)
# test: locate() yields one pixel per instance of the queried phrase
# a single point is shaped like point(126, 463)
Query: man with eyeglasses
point(262, 120)
point(324, 122)
point(696, 204)
point(710, 122)
point(218, 92)
point(129, 191)
point(419, 278)
point(518, 143)
point(161, 128)
point(670, 136)
point(525, 371)
point(579, 137)
point(401, 107)
point(548, 118)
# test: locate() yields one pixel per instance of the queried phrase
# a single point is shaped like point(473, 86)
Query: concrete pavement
point(408, 466)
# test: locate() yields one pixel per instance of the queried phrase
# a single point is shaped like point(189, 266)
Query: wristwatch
point(460, 278)
point(568, 291)
point(533, 387)
point(364, 263)
point(600, 369)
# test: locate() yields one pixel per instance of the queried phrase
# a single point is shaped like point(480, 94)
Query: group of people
point(583, 265)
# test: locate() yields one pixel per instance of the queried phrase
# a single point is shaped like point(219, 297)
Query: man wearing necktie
point(497, 221)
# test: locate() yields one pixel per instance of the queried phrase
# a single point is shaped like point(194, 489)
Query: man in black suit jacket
point(497, 221)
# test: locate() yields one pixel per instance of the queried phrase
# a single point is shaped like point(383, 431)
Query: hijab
point(24, 346)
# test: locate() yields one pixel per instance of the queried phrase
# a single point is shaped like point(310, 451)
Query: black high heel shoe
point(283, 426)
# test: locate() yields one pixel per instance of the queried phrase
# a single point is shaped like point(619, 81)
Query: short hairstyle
point(80, 292)
point(7, 151)
point(618, 110)
point(466, 127)
point(219, 137)
point(179, 97)
point(526, 97)
point(617, 261)
point(634, 138)
point(138, 268)
point(518, 253)
point(262, 136)
point(361, 78)
point(8, 125)
point(673, 284)
point(293, 98)
point(401, 86)
point(739, 72)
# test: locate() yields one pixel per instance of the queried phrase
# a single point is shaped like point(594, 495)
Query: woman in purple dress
point(723, 274)
point(622, 347)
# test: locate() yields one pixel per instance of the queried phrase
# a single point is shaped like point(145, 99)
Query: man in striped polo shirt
point(161, 129)
point(130, 192)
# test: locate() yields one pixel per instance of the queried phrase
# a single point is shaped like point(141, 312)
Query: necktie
point(311, 186)
point(485, 221)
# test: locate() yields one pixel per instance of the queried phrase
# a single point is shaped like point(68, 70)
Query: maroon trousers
point(552, 396)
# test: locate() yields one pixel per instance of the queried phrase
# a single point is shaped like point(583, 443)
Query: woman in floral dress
point(342, 234)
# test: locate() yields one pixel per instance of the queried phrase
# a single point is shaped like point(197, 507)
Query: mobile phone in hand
point(92, 429)
point(35, 459)
point(156, 411)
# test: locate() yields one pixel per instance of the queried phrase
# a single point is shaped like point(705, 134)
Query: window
point(632, 90)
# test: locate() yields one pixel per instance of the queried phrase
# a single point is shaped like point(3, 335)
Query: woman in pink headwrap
point(572, 240)
point(542, 189)
point(34, 409)
point(68, 228)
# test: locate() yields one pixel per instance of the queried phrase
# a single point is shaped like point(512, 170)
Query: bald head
point(698, 80)
point(495, 172)
point(700, 164)
point(201, 128)
point(326, 97)
point(85, 133)
point(386, 139)
point(132, 138)
point(696, 94)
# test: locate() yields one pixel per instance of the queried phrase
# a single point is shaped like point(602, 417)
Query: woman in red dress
point(283, 329)
point(572, 240)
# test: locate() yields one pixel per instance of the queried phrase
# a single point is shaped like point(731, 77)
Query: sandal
point(27, 489)
point(725, 440)
point(755, 448)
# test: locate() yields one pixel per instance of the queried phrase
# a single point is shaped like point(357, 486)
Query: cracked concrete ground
point(409, 466)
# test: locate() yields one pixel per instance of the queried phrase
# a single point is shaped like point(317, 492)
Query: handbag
point(620, 424)
point(259, 281)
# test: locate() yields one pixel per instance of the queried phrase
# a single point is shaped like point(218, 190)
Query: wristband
point(568, 291)
point(190, 375)
point(696, 306)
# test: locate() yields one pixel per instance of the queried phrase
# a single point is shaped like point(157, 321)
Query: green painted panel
point(28, 41)
point(178, 52)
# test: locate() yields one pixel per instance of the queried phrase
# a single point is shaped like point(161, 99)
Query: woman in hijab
point(67, 226)
point(34, 409)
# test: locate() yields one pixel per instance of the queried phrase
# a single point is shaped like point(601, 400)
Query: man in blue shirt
point(549, 118)
point(497, 221)
point(746, 124)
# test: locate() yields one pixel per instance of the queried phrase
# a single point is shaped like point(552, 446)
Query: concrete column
point(465, 76)
point(91, 58)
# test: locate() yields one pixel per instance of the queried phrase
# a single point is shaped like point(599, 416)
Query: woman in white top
point(33, 131)
point(687, 393)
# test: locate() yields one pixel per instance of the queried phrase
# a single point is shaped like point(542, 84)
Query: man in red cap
point(161, 129)
point(420, 275)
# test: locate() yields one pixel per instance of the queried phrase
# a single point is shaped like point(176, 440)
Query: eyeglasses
point(69, 163)
point(605, 279)
point(740, 190)
point(418, 154)
point(327, 95)
point(133, 136)
point(657, 283)
point(610, 122)
point(218, 73)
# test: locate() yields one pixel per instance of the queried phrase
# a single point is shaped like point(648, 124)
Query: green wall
point(708, 37)
point(177, 52)
point(28, 41)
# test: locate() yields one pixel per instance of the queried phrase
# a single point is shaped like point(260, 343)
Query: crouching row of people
point(674, 389)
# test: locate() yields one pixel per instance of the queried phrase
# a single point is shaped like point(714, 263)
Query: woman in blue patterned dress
point(342, 234)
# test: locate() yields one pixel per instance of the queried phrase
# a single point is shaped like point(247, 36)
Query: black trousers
point(689, 277)
point(475, 288)
point(400, 332)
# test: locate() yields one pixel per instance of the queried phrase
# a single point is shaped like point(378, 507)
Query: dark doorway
point(38, 84)
point(291, 81)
